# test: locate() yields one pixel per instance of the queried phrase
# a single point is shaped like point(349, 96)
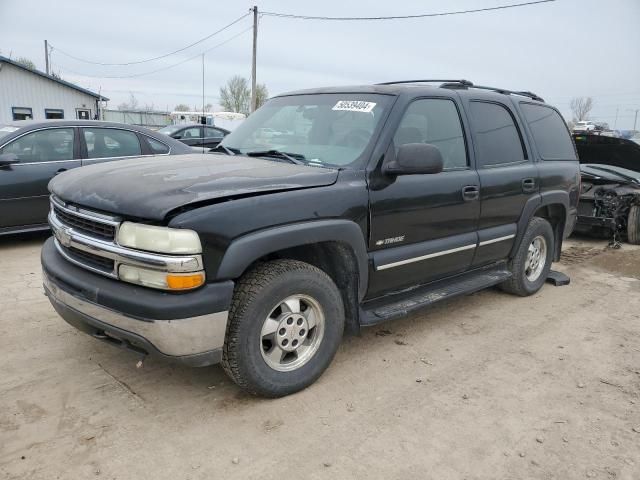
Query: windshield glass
point(6, 130)
point(169, 129)
point(318, 129)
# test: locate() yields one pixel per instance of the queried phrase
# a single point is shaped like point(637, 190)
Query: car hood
point(150, 188)
point(599, 173)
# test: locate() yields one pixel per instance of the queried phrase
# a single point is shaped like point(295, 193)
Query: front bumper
point(188, 327)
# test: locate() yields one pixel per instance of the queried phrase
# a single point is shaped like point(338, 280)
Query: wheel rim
point(292, 332)
point(536, 258)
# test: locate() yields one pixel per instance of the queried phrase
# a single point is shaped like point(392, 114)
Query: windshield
point(318, 129)
point(6, 130)
point(169, 129)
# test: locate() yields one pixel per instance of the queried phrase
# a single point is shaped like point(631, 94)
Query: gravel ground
point(488, 386)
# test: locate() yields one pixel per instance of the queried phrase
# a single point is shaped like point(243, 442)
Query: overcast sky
point(558, 50)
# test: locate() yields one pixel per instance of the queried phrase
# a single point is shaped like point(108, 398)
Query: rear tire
point(532, 261)
point(633, 225)
point(285, 324)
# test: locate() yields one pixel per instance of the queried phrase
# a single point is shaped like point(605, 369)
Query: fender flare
point(533, 204)
point(245, 250)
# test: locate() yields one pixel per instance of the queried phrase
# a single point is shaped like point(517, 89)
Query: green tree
point(262, 94)
point(25, 62)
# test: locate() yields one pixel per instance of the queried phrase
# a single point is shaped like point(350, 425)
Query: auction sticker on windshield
point(354, 106)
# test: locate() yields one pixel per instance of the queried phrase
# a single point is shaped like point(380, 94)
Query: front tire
point(285, 324)
point(531, 264)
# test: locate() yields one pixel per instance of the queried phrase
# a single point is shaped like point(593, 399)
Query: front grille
point(82, 224)
point(101, 263)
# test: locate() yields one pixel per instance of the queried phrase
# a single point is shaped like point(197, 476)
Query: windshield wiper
point(296, 158)
point(221, 147)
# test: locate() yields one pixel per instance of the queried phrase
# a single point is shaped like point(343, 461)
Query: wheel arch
point(553, 207)
point(335, 246)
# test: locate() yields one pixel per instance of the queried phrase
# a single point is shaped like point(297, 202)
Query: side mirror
point(7, 159)
point(415, 159)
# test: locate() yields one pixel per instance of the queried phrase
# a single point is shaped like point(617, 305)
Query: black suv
point(362, 204)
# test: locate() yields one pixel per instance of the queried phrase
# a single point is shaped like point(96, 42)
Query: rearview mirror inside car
point(415, 159)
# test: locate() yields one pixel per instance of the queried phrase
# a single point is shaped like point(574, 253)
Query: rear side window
point(157, 147)
point(549, 132)
point(434, 121)
point(497, 138)
point(111, 142)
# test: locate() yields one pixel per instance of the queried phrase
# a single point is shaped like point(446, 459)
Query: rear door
point(508, 175)
point(42, 154)
point(191, 136)
point(212, 137)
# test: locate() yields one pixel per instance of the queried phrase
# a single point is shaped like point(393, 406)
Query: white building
point(27, 94)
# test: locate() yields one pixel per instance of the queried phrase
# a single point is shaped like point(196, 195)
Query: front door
point(191, 136)
point(42, 154)
point(423, 227)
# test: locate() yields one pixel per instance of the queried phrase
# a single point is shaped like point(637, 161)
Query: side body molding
point(248, 248)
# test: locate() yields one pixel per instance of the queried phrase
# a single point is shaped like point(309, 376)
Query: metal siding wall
point(19, 88)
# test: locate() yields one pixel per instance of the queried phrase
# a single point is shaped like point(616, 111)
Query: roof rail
point(466, 83)
point(504, 91)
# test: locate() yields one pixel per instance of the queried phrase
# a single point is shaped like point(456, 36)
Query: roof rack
point(464, 84)
point(461, 82)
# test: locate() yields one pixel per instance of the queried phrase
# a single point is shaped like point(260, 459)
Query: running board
point(401, 304)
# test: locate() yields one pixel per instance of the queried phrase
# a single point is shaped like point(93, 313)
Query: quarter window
point(49, 145)
point(110, 142)
point(435, 121)
point(549, 132)
point(497, 138)
point(157, 147)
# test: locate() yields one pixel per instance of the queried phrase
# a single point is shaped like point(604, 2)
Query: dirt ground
point(488, 386)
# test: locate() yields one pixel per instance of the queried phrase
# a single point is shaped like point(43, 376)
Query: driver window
point(435, 121)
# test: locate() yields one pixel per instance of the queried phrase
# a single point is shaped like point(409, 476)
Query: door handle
point(60, 171)
point(528, 185)
point(470, 192)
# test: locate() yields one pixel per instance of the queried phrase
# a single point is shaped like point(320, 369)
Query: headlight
point(159, 279)
point(158, 239)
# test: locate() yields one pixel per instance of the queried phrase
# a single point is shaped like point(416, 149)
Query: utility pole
point(635, 120)
point(253, 61)
point(203, 119)
point(46, 55)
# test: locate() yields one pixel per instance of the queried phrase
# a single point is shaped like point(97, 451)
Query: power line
point(163, 68)
point(403, 17)
point(154, 58)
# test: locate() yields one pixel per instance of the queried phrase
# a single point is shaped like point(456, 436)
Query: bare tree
point(262, 94)
point(235, 95)
point(208, 107)
point(580, 107)
point(181, 108)
point(25, 62)
point(132, 104)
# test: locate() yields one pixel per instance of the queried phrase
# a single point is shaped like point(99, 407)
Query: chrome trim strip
point(93, 216)
point(69, 237)
point(179, 337)
point(425, 257)
point(496, 240)
point(69, 258)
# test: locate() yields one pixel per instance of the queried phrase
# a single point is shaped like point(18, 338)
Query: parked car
point(610, 194)
point(196, 135)
point(33, 152)
point(585, 126)
point(379, 201)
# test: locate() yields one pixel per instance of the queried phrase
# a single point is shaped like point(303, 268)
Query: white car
point(585, 126)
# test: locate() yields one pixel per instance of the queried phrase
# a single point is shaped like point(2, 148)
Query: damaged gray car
point(610, 193)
